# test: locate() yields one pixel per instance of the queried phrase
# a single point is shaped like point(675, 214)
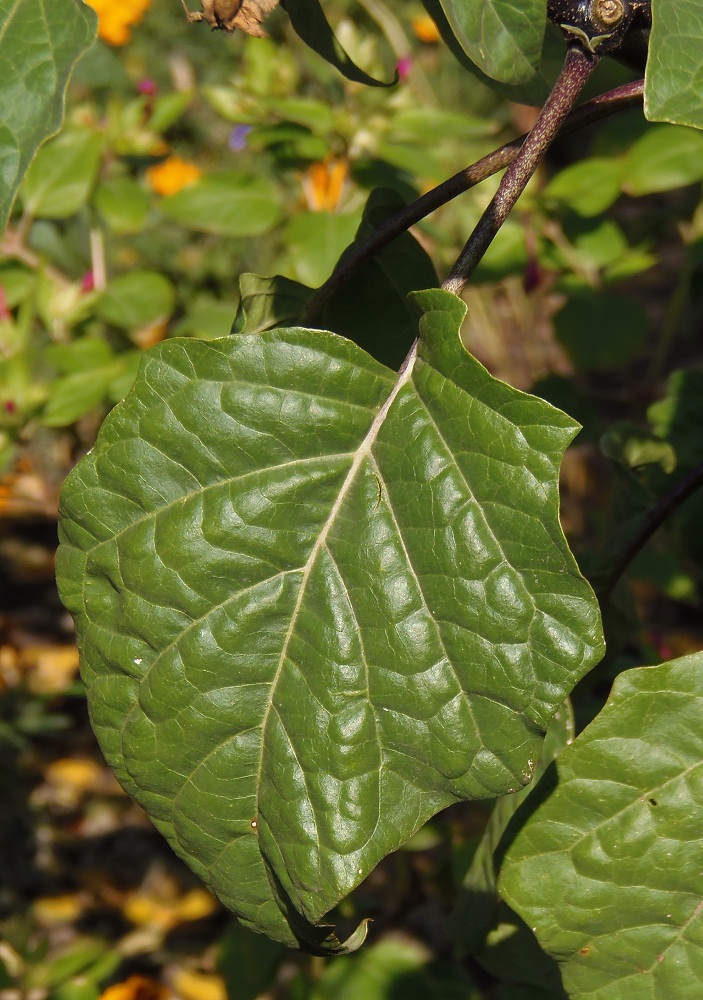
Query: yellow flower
point(323, 184)
point(172, 175)
point(135, 988)
point(425, 29)
point(116, 17)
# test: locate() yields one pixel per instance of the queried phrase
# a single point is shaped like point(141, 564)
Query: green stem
point(577, 68)
point(599, 107)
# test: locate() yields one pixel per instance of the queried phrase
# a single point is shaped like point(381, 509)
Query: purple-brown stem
point(619, 99)
point(577, 68)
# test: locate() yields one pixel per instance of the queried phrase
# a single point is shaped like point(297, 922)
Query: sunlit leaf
point(503, 38)
point(318, 601)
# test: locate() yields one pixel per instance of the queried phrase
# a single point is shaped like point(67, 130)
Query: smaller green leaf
point(269, 302)
point(87, 352)
point(588, 187)
point(247, 962)
point(678, 416)
point(59, 181)
point(372, 308)
point(40, 41)
point(226, 204)
point(634, 447)
point(502, 38)
point(17, 283)
point(605, 859)
point(137, 299)
point(316, 240)
point(77, 394)
point(74, 960)
point(674, 77)
point(123, 205)
point(168, 108)
point(666, 157)
point(311, 25)
point(601, 332)
point(390, 968)
point(206, 318)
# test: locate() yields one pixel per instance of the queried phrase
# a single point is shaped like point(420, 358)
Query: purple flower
point(403, 66)
point(238, 138)
point(147, 87)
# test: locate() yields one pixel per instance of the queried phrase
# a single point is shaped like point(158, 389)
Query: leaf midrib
point(362, 452)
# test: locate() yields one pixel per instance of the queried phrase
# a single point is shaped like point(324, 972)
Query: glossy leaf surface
point(40, 41)
point(501, 37)
point(607, 868)
point(318, 601)
point(674, 78)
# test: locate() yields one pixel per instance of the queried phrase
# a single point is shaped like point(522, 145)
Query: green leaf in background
point(40, 41)
point(226, 204)
point(123, 205)
point(373, 308)
point(607, 863)
point(137, 299)
point(587, 187)
point(247, 962)
point(311, 25)
point(61, 177)
point(207, 318)
point(503, 38)
point(91, 374)
point(634, 447)
point(665, 157)
point(390, 969)
point(317, 602)
point(674, 77)
point(268, 302)
point(678, 416)
point(601, 332)
point(316, 240)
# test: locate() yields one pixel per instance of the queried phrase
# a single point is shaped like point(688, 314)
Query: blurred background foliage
point(187, 159)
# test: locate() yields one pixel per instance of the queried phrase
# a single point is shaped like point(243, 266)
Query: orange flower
point(172, 175)
point(425, 29)
point(323, 184)
point(135, 988)
point(116, 17)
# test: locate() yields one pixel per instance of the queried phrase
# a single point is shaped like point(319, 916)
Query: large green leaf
point(503, 38)
point(674, 77)
point(608, 868)
point(40, 41)
point(318, 601)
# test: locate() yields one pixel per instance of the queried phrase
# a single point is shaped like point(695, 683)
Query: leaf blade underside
point(318, 601)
